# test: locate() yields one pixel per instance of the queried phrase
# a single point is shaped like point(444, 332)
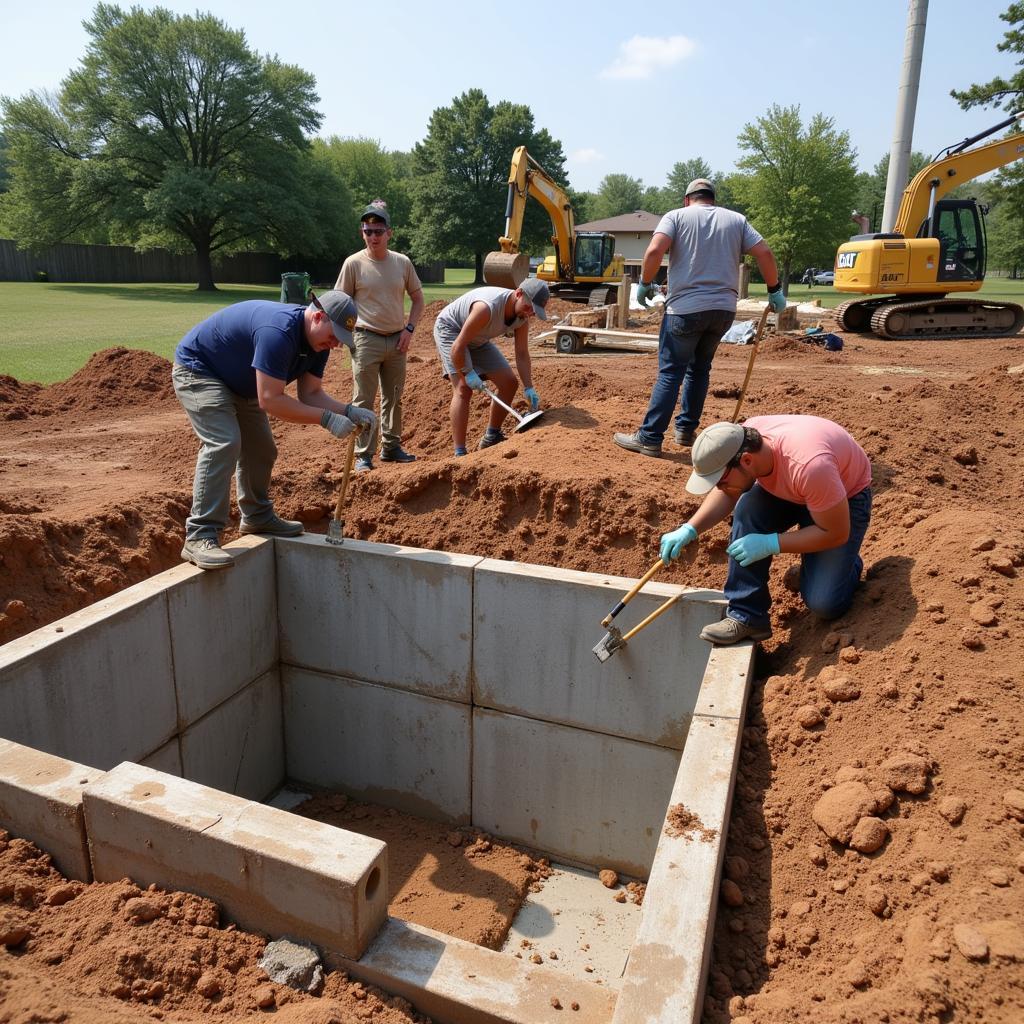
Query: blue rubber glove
point(672, 544)
point(644, 292)
point(533, 398)
point(753, 547)
point(777, 300)
point(474, 381)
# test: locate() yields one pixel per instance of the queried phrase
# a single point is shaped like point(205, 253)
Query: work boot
point(275, 527)
point(363, 464)
point(633, 443)
point(685, 437)
point(396, 454)
point(488, 439)
point(206, 553)
point(732, 631)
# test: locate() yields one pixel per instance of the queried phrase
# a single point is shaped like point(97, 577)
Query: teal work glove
point(533, 398)
point(776, 299)
point(753, 547)
point(672, 544)
point(474, 381)
point(644, 292)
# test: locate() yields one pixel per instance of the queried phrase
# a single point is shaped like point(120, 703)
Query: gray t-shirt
point(451, 319)
point(703, 263)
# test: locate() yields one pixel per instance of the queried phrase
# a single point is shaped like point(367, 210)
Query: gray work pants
point(377, 361)
point(235, 437)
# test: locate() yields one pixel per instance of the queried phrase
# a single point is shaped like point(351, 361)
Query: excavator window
point(588, 257)
point(957, 226)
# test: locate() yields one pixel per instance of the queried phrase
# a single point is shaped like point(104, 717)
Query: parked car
point(825, 277)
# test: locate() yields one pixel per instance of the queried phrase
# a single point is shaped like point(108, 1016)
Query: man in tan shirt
point(378, 280)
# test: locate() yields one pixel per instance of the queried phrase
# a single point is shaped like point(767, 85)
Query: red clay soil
point(898, 725)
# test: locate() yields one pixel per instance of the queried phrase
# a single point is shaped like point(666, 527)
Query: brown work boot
point(732, 631)
point(206, 553)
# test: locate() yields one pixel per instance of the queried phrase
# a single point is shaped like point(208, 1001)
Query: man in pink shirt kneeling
point(772, 474)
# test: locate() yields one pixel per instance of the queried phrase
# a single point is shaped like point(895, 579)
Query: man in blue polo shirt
point(230, 373)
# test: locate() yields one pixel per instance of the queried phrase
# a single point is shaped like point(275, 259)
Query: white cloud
point(586, 156)
point(642, 56)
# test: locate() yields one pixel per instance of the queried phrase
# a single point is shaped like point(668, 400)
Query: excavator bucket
point(506, 269)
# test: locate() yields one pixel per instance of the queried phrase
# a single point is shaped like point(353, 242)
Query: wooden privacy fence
point(122, 264)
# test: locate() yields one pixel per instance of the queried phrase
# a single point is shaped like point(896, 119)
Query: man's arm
point(307, 408)
point(660, 244)
point(522, 350)
point(766, 263)
point(477, 320)
point(714, 508)
point(830, 529)
point(414, 318)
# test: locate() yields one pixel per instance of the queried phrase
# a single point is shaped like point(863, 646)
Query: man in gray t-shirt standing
point(705, 244)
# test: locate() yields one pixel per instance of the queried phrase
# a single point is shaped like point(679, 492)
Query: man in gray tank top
point(705, 244)
point(462, 333)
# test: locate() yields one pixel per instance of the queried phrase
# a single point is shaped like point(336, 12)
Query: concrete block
point(562, 790)
point(41, 800)
point(269, 870)
point(723, 693)
point(166, 759)
point(97, 686)
point(388, 746)
point(239, 746)
point(456, 982)
point(545, 667)
point(223, 628)
point(668, 963)
point(379, 612)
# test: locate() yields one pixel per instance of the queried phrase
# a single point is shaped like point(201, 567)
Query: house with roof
point(633, 232)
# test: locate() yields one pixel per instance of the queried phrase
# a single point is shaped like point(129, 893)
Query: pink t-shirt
point(817, 463)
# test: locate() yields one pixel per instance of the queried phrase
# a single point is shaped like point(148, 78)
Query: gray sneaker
point(275, 527)
point(732, 631)
point(207, 554)
point(489, 439)
point(685, 437)
point(633, 443)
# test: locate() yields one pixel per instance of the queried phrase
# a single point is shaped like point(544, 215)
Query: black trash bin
point(295, 288)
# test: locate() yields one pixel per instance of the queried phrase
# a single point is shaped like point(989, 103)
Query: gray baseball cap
point(538, 293)
point(699, 185)
point(379, 209)
point(713, 450)
point(340, 308)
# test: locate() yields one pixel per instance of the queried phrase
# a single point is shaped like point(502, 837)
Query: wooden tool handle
point(606, 621)
point(350, 458)
point(650, 618)
point(750, 364)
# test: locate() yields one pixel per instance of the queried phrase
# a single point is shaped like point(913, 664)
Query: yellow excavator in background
point(908, 277)
point(584, 267)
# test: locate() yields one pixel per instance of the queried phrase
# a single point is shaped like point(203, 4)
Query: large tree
point(799, 185)
point(172, 131)
point(617, 194)
point(1007, 91)
point(869, 200)
point(461, 178)
point(684, 171)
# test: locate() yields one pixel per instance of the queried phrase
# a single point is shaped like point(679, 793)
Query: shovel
point(525, 422)
point(336, 527)
point(750, 365)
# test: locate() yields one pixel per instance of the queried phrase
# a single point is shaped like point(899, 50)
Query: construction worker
point(230, 373)
point(705, 244)
point(771, 474)
point(379, 280)
point(463, 331)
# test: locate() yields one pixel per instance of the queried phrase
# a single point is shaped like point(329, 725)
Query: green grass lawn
point(48, 331)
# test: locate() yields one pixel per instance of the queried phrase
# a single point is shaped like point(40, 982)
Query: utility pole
point(906, 108)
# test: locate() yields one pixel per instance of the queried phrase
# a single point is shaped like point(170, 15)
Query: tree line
point(172, 132)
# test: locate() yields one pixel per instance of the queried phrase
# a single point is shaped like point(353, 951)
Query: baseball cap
point(378, 208)
point(713, 450)
point(538, 293)
point(699, 185)
point(340, 308)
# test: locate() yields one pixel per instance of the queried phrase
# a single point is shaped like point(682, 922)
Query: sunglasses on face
point(374, 231)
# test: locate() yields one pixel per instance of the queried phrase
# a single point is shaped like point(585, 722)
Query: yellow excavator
point(584, 267)
point(909, 276)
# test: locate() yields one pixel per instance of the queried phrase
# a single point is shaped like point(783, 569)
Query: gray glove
point(338, 425)
point(364, 419)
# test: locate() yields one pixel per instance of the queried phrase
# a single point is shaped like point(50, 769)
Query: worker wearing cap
point(379, 280)
point(462, 333)
point(800, 484)
point(705, 244)
point(230, 373)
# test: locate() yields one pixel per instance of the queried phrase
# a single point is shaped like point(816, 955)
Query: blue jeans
point(687, 343)
point(235, 438)
point(827, 578)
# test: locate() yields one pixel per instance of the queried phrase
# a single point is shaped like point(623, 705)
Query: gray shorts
point(485, 359)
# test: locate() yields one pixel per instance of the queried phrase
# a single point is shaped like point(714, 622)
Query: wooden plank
point(598, 331)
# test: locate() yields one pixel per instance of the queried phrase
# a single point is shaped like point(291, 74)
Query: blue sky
point(626, 88)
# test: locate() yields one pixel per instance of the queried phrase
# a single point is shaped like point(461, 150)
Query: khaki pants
point(377, 361)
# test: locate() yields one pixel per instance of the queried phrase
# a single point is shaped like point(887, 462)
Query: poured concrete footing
point(458, 688)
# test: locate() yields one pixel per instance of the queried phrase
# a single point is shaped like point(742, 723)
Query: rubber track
point(867, 305)
point(879, 319)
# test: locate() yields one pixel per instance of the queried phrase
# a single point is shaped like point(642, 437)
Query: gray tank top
point(452, 318)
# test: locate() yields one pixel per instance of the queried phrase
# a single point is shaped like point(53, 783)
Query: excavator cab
point(595, 250)
point(960, 229)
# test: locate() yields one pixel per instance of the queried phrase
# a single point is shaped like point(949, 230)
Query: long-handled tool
point(524, 421)
point(613, 639)
point(336, 527)
point(750, 364)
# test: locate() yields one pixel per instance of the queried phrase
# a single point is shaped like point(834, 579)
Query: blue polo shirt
point(234, 342)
